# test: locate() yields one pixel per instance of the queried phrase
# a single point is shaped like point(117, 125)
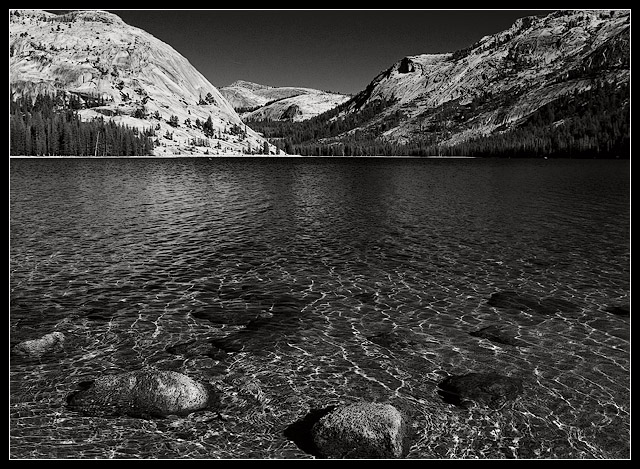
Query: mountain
point(558, 83)
point(554, 84)
point(505, 76)
point(258, 102)
point(123, 74)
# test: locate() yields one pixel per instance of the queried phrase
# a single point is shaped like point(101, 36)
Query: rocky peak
point(17, 15)
point(406, 65)
point(91, 16)
point(143, 82)
point(291, 112)
point(248, 85)
point(535, 61)
point(258, 102)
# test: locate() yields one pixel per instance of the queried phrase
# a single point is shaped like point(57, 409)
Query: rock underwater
point(362, 430)
point(38, 347)
point(624, 311)
point(521, 301)
point(490, 389)
point(498, 335)
point(143, 393)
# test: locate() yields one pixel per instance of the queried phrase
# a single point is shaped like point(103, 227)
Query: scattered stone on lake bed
point(237, 313)
point(361, 430)
point(144, 393)
point(498, 335)
point(486, 389)
point(395, 340)
point(197, 347)
point(36, 348)
point(619, 310)
point(521, 301)
point(299, 432)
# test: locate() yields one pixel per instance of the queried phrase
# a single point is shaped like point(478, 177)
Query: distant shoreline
point(237, 156)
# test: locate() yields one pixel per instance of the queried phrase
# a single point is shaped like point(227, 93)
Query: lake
point(293, 284)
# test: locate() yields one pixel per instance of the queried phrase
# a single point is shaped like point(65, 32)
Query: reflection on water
point(295, 284)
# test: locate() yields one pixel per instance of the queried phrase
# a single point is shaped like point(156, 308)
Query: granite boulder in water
point(143, 393)
point(38, 347)
point(362, 430)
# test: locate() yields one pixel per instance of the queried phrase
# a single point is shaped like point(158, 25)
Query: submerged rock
point(36, 348)
point(498, 335)
point(362, 430)
point(398, 340)
point(619, 311)
point(526, 302)
point(254, 310)
point(197, 347)
point(283, 319)
point(487, 389)
point(299, 432)
point(236, 313)
point(143, 393)
point(513, 299)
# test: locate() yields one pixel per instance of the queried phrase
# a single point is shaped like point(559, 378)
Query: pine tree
point(48, 126)
point(207, 127)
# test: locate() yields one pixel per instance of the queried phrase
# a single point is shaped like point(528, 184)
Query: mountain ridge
point(259, 102)
point(498, 94)
point(432, 101)
point(142, 81)
point(536, 60)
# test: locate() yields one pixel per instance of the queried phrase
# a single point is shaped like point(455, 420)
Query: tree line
point(50, 125)
point(306, 137)
point(592, 123)
point(589, 124)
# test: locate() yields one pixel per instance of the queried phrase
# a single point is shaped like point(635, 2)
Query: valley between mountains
point(554, 85)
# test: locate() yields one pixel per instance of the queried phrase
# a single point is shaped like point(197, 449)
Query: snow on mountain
point(144, 82)
point(255, 101)
point(501, 78)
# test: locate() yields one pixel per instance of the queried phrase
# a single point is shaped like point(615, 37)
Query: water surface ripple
point(315, 282)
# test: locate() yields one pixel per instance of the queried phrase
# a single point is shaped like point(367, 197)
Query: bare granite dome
point(96, 54)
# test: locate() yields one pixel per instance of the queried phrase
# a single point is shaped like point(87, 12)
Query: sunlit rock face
point(261, 102)
point(141, 81)
point(500, 79)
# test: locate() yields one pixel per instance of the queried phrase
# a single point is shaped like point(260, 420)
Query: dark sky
point(336, 50)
